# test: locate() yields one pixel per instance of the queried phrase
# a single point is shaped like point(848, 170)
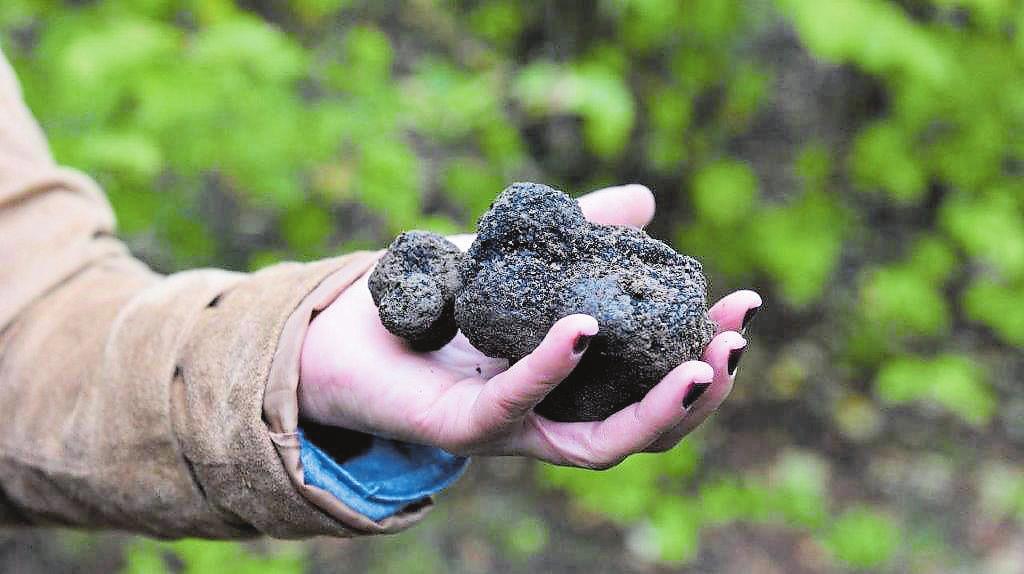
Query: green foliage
point(1002, 490)
point(907, 299)
point(990, 227)
point(998, 306)
point(203, 557)
point(955, 119)
point(628, 491)
point(676, 522)
point(794, 492)
point(591, 90)
point(313, 12)
point(864, 538)
point(799, 488)
point(724, 193)
point(798, 244)
point(882, 157)
point(527, 537)
point(876, 35)
point(954, 382)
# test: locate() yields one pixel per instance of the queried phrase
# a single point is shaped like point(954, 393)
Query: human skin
point(356, 375)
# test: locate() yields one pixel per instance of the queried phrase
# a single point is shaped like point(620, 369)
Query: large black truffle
point(536, 259)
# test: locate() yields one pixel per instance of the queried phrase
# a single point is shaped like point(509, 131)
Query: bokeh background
point(858, 162)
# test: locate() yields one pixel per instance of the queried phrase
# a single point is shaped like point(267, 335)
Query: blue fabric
point(385, 479)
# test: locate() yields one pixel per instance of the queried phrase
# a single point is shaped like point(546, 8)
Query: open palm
point(357, 375)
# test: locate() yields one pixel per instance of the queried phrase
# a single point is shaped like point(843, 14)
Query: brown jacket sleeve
point(162, 405)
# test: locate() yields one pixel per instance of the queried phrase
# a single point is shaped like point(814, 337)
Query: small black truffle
point(535, 260)
point(414, 287)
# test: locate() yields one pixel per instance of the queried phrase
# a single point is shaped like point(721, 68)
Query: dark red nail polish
point(582, 342)
point(734, 359)
point(694, 393)
point(749, 316)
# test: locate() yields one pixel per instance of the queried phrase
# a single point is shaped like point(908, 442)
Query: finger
point(732, 313)
point(508, 397)
point(735, 311)
point(723, 355)
point(605, 443)
point(631, 204)
point(638, 425)
point(462, 240)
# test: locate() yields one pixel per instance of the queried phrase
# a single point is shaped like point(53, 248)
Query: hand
point(357, 375)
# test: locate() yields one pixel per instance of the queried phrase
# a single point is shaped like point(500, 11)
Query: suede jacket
point(165, 405)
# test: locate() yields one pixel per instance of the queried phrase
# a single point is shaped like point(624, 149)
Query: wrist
point(314, 380)
point(323, 382)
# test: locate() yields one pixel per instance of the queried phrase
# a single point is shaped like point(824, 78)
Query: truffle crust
point(535, 260)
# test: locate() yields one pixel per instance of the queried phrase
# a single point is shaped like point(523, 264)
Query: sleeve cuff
point(384, 480)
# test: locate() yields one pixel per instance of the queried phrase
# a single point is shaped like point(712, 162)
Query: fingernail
point(748, 317)
point(694, 393)
point(582, 342)
point(734, 359)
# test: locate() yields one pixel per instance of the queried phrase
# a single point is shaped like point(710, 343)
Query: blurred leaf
point(369, 57)
point(592, 90)
point(933, 259)
point(883, 157)
point(261, 259)
point(387, 180)
point(189, 238)
point(747, 91)
point(863, 538)
point(998, 306)
point(606, 104)
point(799, 482)
point(799, 244)
point(314, 11)
point(1002, 490)
point(497, 21)
point(247, 45)
point(306, 228)
point(471, 184)
point(814, 166)
point(677, 526)
point(144, 557)
point(902, 302)
point(953, 381)
point(17, 13)
point(452, 103)
point(134, 155)
point(725, 500)
point(628, 491)
point(839, 30)
point(528, 536)
point(990, 227)
point(857, 417)
point(724, 192)
point(648, 24)
point(670, 116)
point(205, 556)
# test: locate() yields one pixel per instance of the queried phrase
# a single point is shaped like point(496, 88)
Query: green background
point(858, 162)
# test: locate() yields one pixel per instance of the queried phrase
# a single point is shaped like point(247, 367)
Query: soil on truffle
point(535, 260)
